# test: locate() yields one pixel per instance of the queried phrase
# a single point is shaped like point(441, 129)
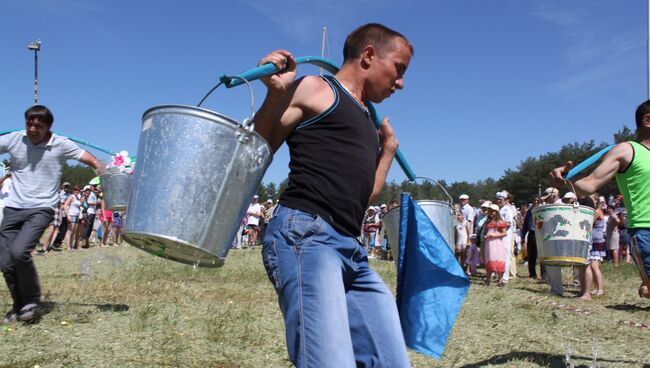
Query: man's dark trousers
point(532, 254)
point(19, 233)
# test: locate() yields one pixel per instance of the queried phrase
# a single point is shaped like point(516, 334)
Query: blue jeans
point(642, 237)
point(337, 311)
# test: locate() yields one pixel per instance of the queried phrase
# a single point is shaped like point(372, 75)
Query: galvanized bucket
point(439, 212)
point(563, 234)
point(117, 189)
point(197, 171)
point(390, 222)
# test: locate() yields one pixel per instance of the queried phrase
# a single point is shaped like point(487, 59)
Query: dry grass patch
point(121, 307)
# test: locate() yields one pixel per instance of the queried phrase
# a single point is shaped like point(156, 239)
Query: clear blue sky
point(491, 83)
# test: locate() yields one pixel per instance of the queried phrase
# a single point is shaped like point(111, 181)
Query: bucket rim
point(201, 112)
point(562, 205)
point(422, 201)
point(209, 261)
point(427, 201)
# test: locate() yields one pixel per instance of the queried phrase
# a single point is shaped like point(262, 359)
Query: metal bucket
point(197, 171)
point(439, 212)
point(117, 189)
point(563, 234)
point(390, 222)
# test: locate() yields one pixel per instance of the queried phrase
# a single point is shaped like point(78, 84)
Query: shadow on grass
point(569, 293)
point(628, 307)
point(543, 359)
point(47, 307)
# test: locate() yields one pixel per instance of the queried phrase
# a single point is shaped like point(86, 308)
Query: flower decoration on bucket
point(122, 162)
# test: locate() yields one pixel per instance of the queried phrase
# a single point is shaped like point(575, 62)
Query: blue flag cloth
point(431, 285)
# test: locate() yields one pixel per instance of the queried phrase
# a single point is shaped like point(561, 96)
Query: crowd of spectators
point(81, 219)
point(494, 235)
point(505, 235)
point(253, 224)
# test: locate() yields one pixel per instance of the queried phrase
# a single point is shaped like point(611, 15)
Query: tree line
point(530, 176)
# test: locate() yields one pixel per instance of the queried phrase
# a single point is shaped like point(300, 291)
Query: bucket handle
point(431, 180)
point(576, 204)
point(438, 183)
point(247, 126)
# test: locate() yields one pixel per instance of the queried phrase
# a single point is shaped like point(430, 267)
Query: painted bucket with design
point(563, 234)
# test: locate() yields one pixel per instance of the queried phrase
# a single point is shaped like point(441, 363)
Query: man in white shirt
point(37, 158)
point(254, 214)
point(467, 209)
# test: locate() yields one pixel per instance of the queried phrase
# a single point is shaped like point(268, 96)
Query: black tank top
point(333, 158)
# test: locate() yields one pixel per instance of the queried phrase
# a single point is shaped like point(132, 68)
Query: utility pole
point(36, 46)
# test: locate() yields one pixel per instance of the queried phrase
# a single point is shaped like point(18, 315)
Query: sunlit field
point(121, 307)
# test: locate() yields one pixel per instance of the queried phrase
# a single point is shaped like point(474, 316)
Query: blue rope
point(77, 140)
point(588, 162)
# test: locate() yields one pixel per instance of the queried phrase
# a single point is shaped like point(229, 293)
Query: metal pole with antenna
point(36, 46)
point(322, 49)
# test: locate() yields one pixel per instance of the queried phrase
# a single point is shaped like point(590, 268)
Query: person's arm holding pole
point(619, 157)
point(389, 146)
point(90, 160)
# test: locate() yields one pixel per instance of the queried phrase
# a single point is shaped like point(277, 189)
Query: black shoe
point(29, 312)
point(10, 318)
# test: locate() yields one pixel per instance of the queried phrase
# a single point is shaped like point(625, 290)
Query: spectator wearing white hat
point(495, 255)
point(468, 211)
point(254, 214)
point(569, 198)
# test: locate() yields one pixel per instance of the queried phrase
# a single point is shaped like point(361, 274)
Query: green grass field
point(121, 307)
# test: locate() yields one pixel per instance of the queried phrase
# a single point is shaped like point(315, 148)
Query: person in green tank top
point(629, 163)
